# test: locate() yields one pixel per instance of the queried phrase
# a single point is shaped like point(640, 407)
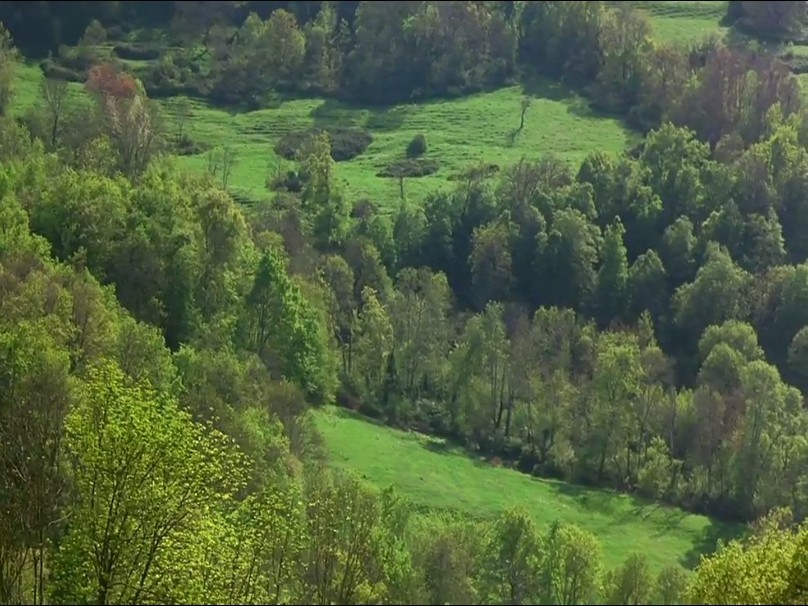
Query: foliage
point(346, 143)
point(417, 146)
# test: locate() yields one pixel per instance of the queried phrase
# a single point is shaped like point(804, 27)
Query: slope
point(435, 476)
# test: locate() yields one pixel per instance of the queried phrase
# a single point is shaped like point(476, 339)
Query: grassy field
point(435, 476)
point(458, 132)
point(684, 21)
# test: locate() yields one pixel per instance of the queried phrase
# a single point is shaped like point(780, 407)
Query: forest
point(636, 322)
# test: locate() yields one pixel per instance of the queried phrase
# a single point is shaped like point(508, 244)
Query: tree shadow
point(332, 113)
point(707, 540)
point(577, 104)
point(587, 498)
point(347, 413)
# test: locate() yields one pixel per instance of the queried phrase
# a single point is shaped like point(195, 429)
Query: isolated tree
point(55, 95)
point(182, 113)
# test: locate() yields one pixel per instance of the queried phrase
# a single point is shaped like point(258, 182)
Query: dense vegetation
point(637, 322)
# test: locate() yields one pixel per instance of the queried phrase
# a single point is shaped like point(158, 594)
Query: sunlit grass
point(436, 476)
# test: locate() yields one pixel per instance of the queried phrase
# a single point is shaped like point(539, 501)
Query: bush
point(416, 147)
point(185, 146)
point(80, 60)
point(292, 182)
point(135, 53)
point(346, 143)
point(411, 167)
point(53, 70)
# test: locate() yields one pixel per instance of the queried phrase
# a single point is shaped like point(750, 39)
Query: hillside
point(459, 132)
point(684, 21)
point(436, 476)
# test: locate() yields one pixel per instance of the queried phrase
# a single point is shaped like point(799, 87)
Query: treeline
point(240, 53)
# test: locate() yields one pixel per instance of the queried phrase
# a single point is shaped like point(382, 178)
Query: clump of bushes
point(54, 71)
point(132, 52)
point(417, 147)
point(411, 167)
point(185, 146)
point(346, 143)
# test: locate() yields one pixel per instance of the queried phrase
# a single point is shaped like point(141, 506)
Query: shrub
point(186, 146)
point(135, 53)
point(411, 167)
point(417, 147)
point(78, 59)
point(53, 70)
point(346, 143)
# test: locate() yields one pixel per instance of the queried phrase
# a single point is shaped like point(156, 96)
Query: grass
point(459, 132)
point(684, 21)
point(435, 476)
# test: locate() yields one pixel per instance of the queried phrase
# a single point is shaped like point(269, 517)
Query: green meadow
point(436, 476)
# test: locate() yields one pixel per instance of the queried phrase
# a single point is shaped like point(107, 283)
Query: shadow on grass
point(577, 104)
point(707, 539)
point(347, 413)
point(335, 113)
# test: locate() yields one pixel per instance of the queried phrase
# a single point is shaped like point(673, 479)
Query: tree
point(671, 585)
point(798, 359)
point(570, 565)
point(195, 21)
point(763, 568)
point(568, 268)
point(286, 330)
point(146, 478)
point(321, 195)
point(625, 37)
point(720, 282)
point(182, 113)
point(647, 281)
point(631, 584)
point(491, 263)
point(128, 117)
point(779, 20)
point(55, 95)
point(420, 313)
point(285, 46)
point(611, 291)
point(8, 63)
point(374, 342)
point(512, 560)
point(35, 396)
